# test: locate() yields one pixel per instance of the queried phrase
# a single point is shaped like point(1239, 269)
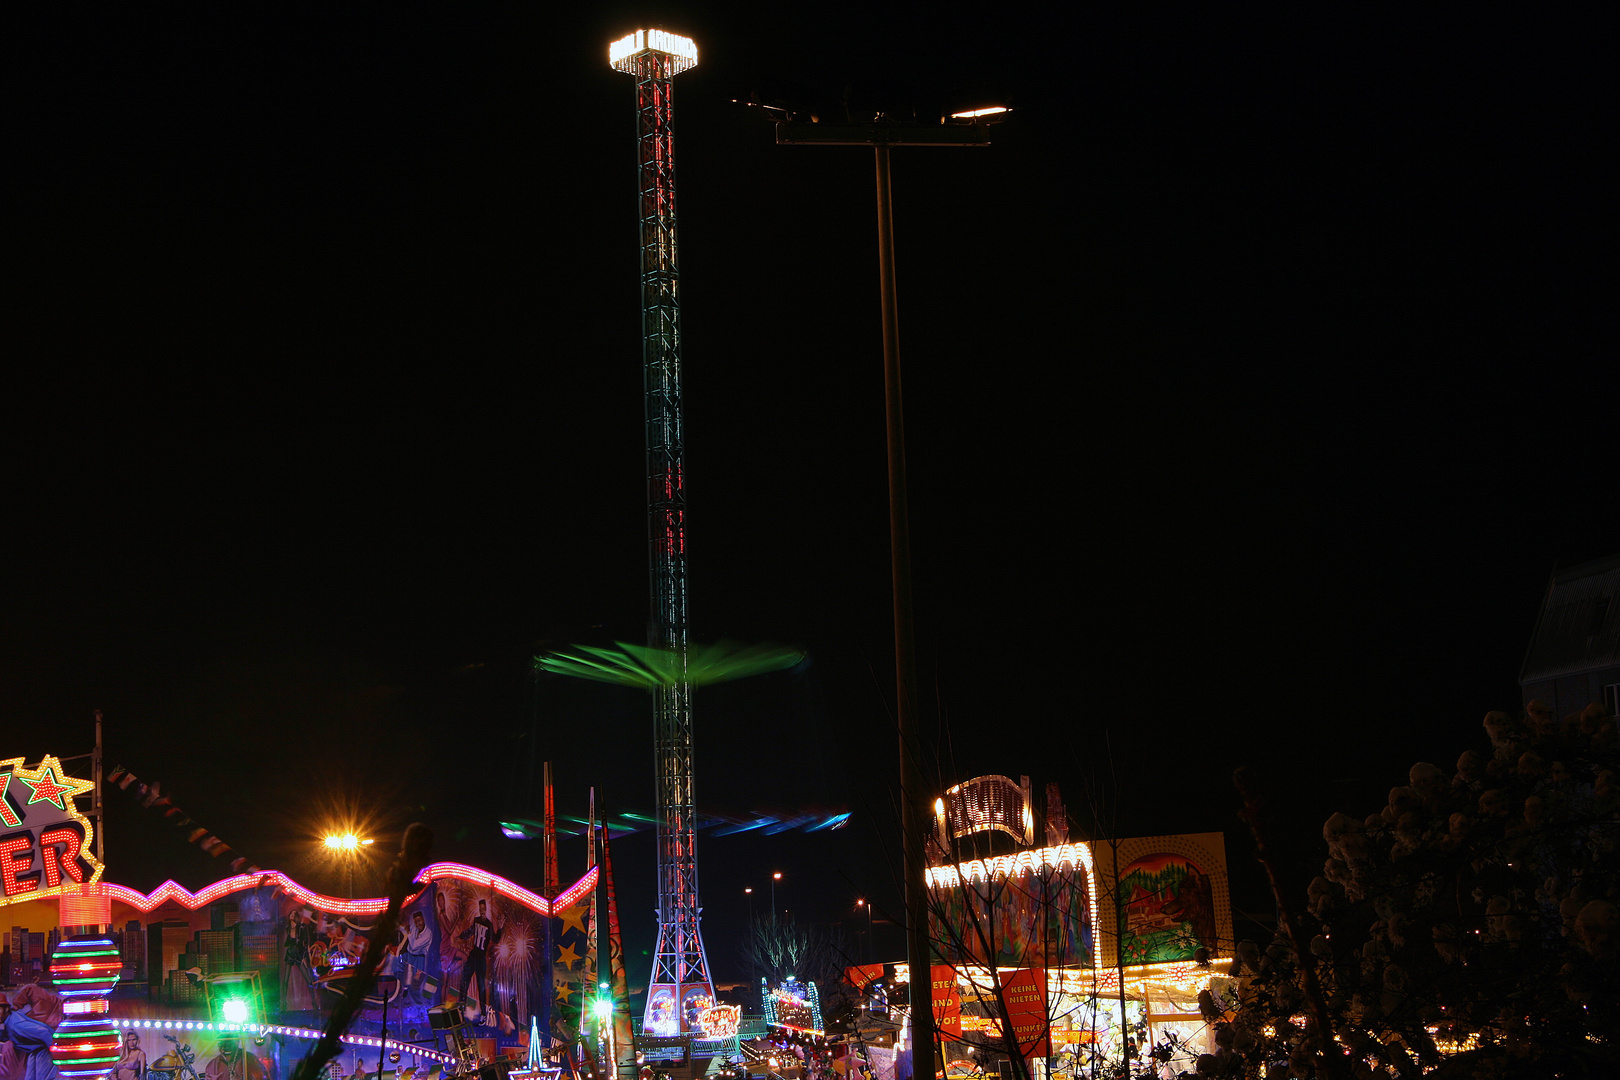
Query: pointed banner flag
point(624, 1046)
point(152, 797)
point(570, 955)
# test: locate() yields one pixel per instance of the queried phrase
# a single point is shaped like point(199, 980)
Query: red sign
point(1024, 991)
point(947, 1001)
point(862, 976)
point(44, 841)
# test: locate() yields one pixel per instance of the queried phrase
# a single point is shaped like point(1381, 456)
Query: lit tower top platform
point(678, 53)
point(681, 990)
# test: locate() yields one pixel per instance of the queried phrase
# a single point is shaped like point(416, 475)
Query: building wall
point(1571, 693)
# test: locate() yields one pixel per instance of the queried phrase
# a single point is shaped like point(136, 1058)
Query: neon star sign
point(49, 788)
point(45, 846)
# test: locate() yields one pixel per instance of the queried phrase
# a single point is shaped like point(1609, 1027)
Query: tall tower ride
point(681, 988)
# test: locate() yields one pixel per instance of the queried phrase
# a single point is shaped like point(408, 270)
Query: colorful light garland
point(284, 1030)
point(280, 1029)
point(170, 891)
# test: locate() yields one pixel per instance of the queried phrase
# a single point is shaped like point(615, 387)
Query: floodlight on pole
point(913, 793)
point(347, 845)
point(346, 842)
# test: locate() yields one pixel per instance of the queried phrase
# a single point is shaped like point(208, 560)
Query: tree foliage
point(1466, 929)
point(777, 948)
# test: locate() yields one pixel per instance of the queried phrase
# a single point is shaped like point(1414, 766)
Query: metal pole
point(911, 784)
point(101, 816)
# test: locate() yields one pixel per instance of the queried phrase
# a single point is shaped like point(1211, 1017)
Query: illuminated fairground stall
point(1073, 945)
point(234, 982)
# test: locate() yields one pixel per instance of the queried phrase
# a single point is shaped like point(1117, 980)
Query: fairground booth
point(236, 981)
point(1056, 951)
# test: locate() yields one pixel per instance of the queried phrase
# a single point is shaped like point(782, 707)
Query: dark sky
point(1257, 377)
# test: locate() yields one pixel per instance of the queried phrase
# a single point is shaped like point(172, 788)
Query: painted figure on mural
point(232, 1062)
point(296, 976)
point(414, 945)
point(30, 1023)
point(132, 1060)
point(484, 938)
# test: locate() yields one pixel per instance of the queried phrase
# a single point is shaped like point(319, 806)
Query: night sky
point(1257, 377)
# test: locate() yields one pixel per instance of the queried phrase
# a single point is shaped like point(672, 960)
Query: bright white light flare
point(345, 842)
point(682, 50)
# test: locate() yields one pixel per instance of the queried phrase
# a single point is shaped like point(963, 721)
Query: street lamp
point(861, 903)
point(774, 879)
point(749, 891)
point(346, 846)
point(880, 136)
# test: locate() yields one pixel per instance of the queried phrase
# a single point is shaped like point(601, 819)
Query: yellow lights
point(346, 842)
point(974, 114)
point(1017, 864)
point(682, 51)
point(939, 804)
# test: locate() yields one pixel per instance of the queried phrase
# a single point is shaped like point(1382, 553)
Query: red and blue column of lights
point(84, 969)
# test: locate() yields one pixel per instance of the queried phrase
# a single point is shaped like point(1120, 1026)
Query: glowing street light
point(774, 879)
point(347, 846)
point(346, 842)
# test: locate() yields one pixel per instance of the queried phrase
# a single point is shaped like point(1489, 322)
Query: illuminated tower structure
point(681, 988)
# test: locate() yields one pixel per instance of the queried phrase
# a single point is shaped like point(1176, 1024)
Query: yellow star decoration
point(564, 992)
point(573, 916)
point(48, 784)
point(567, 957)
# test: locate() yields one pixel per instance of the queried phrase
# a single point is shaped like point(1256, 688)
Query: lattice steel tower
point(681, 987)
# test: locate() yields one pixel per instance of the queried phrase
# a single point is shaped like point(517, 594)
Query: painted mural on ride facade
point(1172, 896)
point(1041, 907)
point(458, 941)
point(1167, 910)
point(1032, 912)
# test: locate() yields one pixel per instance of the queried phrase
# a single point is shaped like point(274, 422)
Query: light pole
point(774, 879)
point(913, 813)
point(861, 903)
point(749, 891)
point(386, 985)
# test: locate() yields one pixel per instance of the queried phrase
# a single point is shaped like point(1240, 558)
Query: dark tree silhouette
point(1468, 928)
